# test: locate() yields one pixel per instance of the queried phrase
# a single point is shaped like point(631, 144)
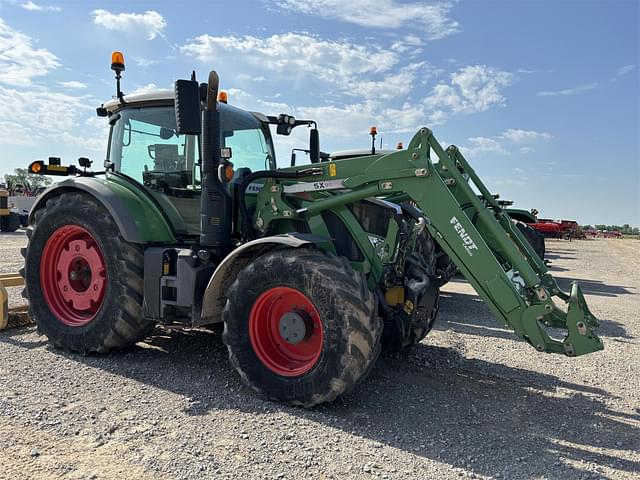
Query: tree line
point(626, 228)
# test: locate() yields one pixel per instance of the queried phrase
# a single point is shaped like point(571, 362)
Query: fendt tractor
point(312, 269)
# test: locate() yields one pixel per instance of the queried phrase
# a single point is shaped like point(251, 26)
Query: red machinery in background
point(568, 229)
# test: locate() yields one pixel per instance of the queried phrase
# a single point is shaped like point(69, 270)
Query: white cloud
point(150, 24)
point(623, 71)
point(569, 91)
point(392, 85)
point(342, 121)
point(484, 144)
point(145, 62)
point(34, 7)
point(431, 18)
point(37, 119)
point(73, 84)
point(149, 87)
point(348, 87)
point(20, 62)
point(293, 55)
point(236, 93)
point(505, 142)
point(524, 136)
point(471, 89)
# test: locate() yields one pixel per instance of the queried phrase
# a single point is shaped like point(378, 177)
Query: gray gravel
point(470, 402)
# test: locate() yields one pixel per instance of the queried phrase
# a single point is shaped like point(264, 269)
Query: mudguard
point(137, 216)
point(521, 215)
point(215, 295)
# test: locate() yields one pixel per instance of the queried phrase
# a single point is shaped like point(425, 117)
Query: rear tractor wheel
point(301, 326)
point(84, 283)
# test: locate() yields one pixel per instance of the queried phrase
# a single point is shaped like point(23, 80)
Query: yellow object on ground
point(8, 280)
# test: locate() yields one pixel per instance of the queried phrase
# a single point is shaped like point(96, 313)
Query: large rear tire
point(84, 282)
point(301, 326)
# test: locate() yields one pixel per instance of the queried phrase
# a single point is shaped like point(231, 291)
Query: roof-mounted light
point(117, 61)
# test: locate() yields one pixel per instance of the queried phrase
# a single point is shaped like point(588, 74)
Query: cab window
point(146, 147)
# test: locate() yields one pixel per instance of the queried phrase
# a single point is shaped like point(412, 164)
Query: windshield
point(145, 146)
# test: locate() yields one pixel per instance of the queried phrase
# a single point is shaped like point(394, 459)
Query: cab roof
point(156, 95)
point(168, 96)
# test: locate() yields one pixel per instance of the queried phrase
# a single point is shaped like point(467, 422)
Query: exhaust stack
point(215, 201)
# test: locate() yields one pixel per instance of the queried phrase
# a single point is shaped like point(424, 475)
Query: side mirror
point(293, 158)
point(314, 145)
point(187, 106)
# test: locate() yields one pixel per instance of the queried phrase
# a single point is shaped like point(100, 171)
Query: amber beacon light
point(117, 61)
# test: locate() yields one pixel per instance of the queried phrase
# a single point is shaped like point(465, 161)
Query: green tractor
point(312, 269)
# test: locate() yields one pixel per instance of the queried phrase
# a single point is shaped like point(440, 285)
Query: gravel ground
point(471, 401)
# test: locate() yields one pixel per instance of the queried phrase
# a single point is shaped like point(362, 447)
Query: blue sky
point(543, 97)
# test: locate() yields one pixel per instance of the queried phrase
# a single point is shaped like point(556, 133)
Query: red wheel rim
point(73, 275)
point(275, 351)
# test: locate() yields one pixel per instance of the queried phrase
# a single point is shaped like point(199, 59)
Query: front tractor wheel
point(301, 326)
point(84, 283)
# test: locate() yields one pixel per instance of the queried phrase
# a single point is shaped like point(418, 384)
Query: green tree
point(21, 176)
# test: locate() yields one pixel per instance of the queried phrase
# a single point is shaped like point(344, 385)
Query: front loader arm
point(472, 229)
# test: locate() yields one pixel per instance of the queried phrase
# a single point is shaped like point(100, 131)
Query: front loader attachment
point(468, 223)
point(495, 257)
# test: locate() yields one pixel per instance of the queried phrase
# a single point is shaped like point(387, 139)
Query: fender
point(521, 215)
point(215, 295)
point(138, 218)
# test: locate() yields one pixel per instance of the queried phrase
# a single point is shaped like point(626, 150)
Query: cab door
point(146, 148)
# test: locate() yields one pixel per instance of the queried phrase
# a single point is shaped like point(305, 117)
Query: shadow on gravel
point(594, 287)
point(555, 268)
point(484, 324)
point(13, 337)
point(432, 402)
point(559, 254)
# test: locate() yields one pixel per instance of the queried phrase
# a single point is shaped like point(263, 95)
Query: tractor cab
point(145, 146)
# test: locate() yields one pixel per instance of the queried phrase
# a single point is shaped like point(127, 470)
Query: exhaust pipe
point(215, 201)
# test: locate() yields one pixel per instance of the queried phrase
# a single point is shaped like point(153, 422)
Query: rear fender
point(138, 218)
point(215, 296)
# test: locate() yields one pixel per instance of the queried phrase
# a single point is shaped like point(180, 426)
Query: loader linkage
point(469, 225)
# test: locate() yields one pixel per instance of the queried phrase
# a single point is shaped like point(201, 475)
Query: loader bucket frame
point(468, 223)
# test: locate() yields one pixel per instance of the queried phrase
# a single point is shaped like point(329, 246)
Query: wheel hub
point(286, 331)
point(295, 326)
point(73, 275)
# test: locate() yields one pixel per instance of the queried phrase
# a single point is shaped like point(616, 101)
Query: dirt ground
point(471, 401)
